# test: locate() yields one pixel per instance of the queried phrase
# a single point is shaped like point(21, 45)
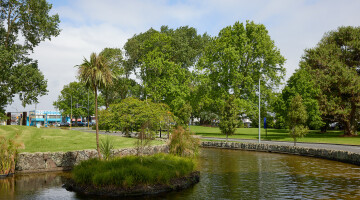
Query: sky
point(91, 25)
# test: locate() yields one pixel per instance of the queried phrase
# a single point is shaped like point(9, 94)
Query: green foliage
point(334, 66)
point(96, 74)
point(19, 74)
point(131, 114)
point(130, 171)
point(229, 117)
point(122, 86)
point(240, 123)
point(234, 61)
point(163, 59)
point(301, 83)
point(145, 136)
point(105, 122)
point(106, 147)
point(182, 143)
point(297, 118)
point(8, 152)
point(80, 104)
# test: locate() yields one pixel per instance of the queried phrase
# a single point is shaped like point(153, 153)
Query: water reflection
point(225, 174)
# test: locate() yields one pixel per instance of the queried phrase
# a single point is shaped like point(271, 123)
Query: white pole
point(71, 112)
point(259, 109)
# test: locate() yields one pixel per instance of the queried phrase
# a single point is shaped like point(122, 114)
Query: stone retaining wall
point(58, 161)
point(342, 156)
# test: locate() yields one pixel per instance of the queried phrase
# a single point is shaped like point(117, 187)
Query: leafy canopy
point(334, 65)
point(29, 20)
point(235, 60)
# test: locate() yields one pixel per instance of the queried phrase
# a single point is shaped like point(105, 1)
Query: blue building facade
point(43, 118)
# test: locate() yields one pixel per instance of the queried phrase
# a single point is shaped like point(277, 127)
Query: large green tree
point(234, 62)
point(96, 74)
point(29, 20)
point(302, 83)
point(164, 59)
point(83, 100)
point(334, 65)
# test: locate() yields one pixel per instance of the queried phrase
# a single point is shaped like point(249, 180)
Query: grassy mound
point(133, 170)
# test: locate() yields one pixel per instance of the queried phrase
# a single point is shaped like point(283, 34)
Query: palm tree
point(95, 73)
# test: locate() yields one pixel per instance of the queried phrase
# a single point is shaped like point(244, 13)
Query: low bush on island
point(131, 171)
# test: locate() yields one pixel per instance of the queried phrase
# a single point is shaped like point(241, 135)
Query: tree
point(132, 114)
point(303, 84)
point(80, 104)
point(122, 86)
point(95, 73)
point(297, 118)
point(229, 117)
point(235, 60)
point(334, 65)
point(30, 20)
point(164, 59)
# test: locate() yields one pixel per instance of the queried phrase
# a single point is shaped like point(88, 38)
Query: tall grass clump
point(182, 143)
point(8, 152)
point(106, 147)
point(130, 171)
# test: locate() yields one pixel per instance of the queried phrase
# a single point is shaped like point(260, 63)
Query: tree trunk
point(350, 125)
point(324, 128)
point(97, 125)
point(294, 141)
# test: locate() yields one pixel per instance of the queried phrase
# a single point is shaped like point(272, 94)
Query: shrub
point(8, 152)
point(129, 171)
point(106, 147)
point(145, 136)
point(228, 119)
point(182, 143)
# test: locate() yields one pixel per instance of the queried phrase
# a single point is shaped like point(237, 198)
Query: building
point(44, 118)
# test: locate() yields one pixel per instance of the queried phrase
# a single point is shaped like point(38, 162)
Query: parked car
point(65, 124)
point(81, 124)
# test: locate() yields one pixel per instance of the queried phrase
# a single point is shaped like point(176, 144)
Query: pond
point(225, 174)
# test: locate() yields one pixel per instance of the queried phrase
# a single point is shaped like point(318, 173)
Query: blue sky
point(91, 25)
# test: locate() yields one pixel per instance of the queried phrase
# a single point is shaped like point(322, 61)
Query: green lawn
point(54, 140)
point(278, 135)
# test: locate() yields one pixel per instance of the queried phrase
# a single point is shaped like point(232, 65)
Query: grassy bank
point(54, 140)
point(133, 170)
point(314, 136)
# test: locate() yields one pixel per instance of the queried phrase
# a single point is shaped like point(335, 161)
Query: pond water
point(225, 174)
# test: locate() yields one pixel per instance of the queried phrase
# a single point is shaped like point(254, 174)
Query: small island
point(133, 175)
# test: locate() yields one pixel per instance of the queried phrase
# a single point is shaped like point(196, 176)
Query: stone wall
point(342, 156)
point(58, 161)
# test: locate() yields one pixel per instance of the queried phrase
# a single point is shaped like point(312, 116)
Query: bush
point(106, 147)
point(182, 143)
point(8, 152)
point(130, 171)
point(145, 136)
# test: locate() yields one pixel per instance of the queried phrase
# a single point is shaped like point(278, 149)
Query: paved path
point(351, 148)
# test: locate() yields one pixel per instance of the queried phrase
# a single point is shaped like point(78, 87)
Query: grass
point(55, 140)
point(133, 170)
point(314, 136)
